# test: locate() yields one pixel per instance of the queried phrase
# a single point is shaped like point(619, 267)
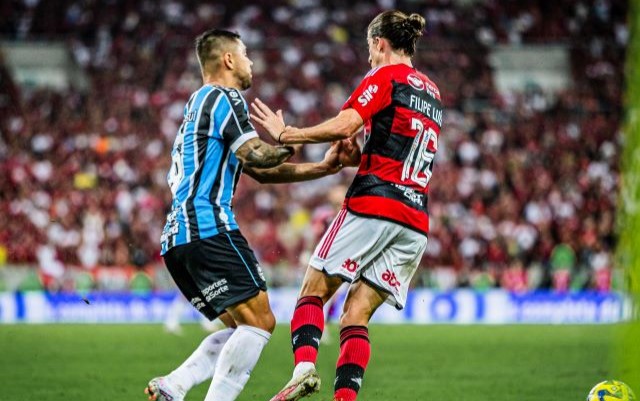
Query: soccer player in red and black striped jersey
point(376, 241)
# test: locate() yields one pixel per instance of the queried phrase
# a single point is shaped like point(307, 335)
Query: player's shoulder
point(230, 92)
point(391, 70)
point(405, 74)
point(427, 83)
point(385, 71)
point(232, 95)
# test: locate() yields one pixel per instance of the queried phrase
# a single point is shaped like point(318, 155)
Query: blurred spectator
point(523, 197)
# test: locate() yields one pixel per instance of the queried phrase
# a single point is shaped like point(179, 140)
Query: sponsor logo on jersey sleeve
point(235, 97)
point(433, 90)
point(415, 81)
point(367, 95)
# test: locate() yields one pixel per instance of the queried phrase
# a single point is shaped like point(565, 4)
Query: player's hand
point(270, 121)
point(350, 153)
point(332, 158)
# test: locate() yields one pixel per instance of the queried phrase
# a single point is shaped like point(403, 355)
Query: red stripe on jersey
point(389, 170)
point(333, 231)
point(390, 209)
point(402, 120)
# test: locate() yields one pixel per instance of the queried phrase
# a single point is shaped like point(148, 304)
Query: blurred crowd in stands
point(524, 190)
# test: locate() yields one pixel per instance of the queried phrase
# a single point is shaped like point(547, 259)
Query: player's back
point(204, 169)
point(402, 116)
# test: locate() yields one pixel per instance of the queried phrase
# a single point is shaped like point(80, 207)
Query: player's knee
point(269, 322)
point(227, 320)
point(264, 321)
point(353, 315)
point(311, 291)
point(316, 284)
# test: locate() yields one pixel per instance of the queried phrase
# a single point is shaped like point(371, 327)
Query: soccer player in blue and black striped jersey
point(204, 251)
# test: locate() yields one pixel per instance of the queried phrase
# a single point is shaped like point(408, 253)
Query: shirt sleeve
point(372, 95)
point(236, 129)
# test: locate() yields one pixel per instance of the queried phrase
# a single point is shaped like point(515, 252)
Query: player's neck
point(225, 80)
point(394, 58)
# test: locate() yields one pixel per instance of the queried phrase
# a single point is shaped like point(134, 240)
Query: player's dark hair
point(211, 44)
point(401, 30)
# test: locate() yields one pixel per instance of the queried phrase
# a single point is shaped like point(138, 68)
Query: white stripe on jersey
point(225, 121)
point(242, 139)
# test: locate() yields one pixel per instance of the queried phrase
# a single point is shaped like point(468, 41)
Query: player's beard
point(245, 81)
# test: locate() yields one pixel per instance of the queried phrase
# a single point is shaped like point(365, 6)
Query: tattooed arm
point(294, 172)
point(258, 154)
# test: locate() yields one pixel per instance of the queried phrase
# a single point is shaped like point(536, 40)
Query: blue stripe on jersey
point(226, 191)
point(204, 209)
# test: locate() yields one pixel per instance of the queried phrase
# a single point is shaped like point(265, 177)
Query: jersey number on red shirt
point(418, 166)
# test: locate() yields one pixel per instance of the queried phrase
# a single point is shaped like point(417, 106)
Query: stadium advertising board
point(423, 307)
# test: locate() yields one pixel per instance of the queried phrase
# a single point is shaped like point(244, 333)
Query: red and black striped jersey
point(402, 114)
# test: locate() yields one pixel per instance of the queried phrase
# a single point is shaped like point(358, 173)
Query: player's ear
point(382, 44)
point(227, 60)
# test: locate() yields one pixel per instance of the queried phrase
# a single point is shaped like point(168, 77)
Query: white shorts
point(382, 253)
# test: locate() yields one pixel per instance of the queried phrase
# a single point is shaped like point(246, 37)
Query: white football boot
point(161, 389)
point(299, 387)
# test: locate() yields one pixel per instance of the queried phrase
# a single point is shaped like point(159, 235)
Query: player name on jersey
point(431, 110)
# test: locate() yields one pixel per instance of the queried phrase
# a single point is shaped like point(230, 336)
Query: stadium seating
point(524, 190)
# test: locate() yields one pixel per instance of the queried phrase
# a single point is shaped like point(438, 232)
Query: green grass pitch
point(474, 363)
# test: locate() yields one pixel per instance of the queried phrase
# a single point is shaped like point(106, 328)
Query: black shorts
point(216, 273)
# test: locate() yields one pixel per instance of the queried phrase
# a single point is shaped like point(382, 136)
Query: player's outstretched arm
point(258, 154)
point(343, 126)
point(294, 172)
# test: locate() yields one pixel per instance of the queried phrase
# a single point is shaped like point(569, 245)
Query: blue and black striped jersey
point(204, 169)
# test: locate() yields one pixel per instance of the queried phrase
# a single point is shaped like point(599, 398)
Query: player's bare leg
point(307, 326)
point(196, 369)
point(241, 352)
point(355, 350)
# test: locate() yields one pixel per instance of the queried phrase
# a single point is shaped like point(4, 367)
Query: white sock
point(302, 368)
point(235, 363)
point(201, 364)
